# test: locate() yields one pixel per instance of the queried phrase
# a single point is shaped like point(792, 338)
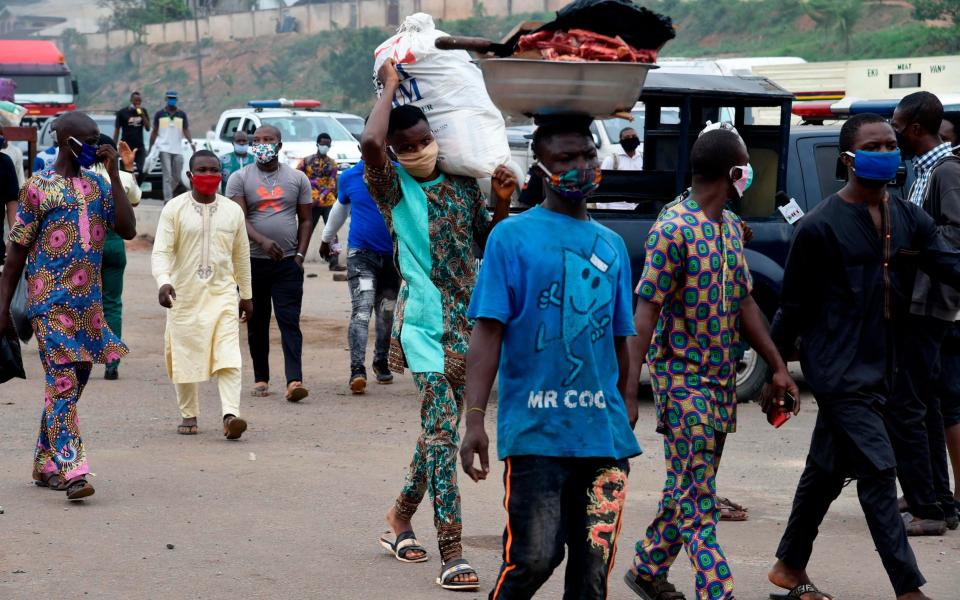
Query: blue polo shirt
point(367, 229)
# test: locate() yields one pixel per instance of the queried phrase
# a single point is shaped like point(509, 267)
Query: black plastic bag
point(18, 311)
point(638, 26)
point(11, 362)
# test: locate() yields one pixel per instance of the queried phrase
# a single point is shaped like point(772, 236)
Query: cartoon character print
point(583, 296)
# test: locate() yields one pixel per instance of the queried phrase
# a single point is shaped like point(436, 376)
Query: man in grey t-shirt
point(276, 200)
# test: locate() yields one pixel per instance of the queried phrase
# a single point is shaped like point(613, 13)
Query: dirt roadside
point(294, 509)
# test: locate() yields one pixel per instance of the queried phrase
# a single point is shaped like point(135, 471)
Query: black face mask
point(630, 144)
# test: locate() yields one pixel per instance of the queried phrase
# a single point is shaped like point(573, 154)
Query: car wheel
point(752, 373)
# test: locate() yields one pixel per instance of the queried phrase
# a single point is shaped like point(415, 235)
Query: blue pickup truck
point(800, 162)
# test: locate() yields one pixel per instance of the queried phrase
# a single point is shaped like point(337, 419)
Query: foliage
point(837, 15)
point(348, 69)
point(135, 15)
point(942, 9)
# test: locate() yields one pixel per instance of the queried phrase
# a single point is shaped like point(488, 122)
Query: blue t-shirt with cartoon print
point(562, 288)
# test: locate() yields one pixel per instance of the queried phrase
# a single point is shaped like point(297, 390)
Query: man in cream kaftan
point(202, 250)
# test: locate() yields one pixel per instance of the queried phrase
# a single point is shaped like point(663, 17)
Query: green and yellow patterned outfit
point(434, 225)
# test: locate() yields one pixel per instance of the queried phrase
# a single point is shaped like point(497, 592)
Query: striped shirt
point(922, 167)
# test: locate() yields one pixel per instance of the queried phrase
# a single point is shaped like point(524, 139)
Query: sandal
point(233, 427)
point(54, 481)
point(451, 570)
point(78, 489)
point(797, 592)
point(731, 511)
point(296, 392)
point(261, 389)
point(404, 544)
point(187, 429)
point(656, 589)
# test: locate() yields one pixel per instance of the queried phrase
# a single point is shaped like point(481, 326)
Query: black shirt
point(131, 121)
point(847, 289)
point(9, 192)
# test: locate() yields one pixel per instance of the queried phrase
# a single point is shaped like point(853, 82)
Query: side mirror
point(75, 86)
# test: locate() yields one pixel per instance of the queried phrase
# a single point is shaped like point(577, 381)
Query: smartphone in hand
point(778, 415)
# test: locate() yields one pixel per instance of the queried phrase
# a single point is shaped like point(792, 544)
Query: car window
point(613, 127)
point(825, 157)
point(249, 126)
point(353, 124)
point(229, 129)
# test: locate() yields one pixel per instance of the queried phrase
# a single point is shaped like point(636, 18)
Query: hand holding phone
point(777, 415)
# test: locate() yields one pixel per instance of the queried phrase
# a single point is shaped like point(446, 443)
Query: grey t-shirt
point(272, 200)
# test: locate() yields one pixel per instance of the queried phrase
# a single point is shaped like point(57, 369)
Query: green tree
point(946, 10)
point(135, 15)
point(349, 67)
point(837, 15)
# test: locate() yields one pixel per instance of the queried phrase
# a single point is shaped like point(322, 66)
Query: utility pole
point(196, 30)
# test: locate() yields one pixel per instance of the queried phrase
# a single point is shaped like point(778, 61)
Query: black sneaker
point(382, 371)
point(358, 381)
point(112, 373)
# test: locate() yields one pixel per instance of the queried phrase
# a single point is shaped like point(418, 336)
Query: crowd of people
point(870, 300)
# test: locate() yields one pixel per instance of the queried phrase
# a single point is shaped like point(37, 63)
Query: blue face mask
point(879, 167)
point(87, 155)
point(172, 102)
point(240, 149)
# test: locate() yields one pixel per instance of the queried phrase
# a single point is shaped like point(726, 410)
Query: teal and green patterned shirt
point(696, 272)
point(434, 225)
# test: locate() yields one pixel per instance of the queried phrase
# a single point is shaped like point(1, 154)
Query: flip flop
point(187, 429)
point(404, 544)
point(449, 572)
point(296, 392)
point(797, 592)
point(731, 511)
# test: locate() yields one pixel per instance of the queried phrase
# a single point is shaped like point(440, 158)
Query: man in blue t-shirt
point(553, 305)
point(371, 275)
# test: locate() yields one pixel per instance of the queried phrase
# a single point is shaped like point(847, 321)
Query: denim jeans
point(555, 502)
point(374, 282)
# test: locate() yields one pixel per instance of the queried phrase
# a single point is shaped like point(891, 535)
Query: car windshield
point(306, 128)
point(353, 124)
point(42, 84)
point(613, 127)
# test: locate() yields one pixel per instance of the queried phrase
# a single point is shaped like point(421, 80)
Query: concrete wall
point(312, 18)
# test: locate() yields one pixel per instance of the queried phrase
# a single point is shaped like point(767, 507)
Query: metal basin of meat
point(522, 87)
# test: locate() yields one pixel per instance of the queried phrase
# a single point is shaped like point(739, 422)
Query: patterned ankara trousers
point(688, 514)
point(434, 463)
point(59, 447)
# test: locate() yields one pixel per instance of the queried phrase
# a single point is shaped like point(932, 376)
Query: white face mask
point(322, 149)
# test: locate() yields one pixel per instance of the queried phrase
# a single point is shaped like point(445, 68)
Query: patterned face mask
point(265, 153)
point(742, 177)
point(573, 185)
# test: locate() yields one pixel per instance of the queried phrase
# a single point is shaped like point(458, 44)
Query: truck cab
point(44, 83)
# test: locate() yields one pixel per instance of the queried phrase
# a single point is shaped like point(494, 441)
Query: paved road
point(301, 520)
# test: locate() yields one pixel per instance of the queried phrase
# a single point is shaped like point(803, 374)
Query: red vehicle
point(45, 86)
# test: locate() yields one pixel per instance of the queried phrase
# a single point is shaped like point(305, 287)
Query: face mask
point(172, 102)
point(875, 169)
point(573, 185)
point(265, 152)
point(240, 148)
point(206, 184)
point(745, 178)
point(420, 163)
point(630, 144)
point(322, 149)
point(87, 155)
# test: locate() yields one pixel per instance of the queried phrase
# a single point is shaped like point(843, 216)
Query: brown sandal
point(54, 481)
point(233, 427)
point(296, 392)
point(183, 429)
point(79, 488)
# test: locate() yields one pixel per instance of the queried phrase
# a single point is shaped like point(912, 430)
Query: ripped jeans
point(374, 283)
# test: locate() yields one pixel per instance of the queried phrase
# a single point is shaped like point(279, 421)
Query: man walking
point(170, 128)
point(130, 122)
point(275, 199)
point(62, 220)
point(201, 257)
point(436, 219)
point(321, 170)
point(114, 251)
point(371, 275)
point(564, 427)
point(846, 296)
point(913, 414)
point(694, 302)
point(238, 159)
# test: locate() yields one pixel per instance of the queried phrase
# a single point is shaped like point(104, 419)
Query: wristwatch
point(300, 254)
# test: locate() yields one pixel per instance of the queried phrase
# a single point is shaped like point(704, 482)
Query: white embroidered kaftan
point(202, 250)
